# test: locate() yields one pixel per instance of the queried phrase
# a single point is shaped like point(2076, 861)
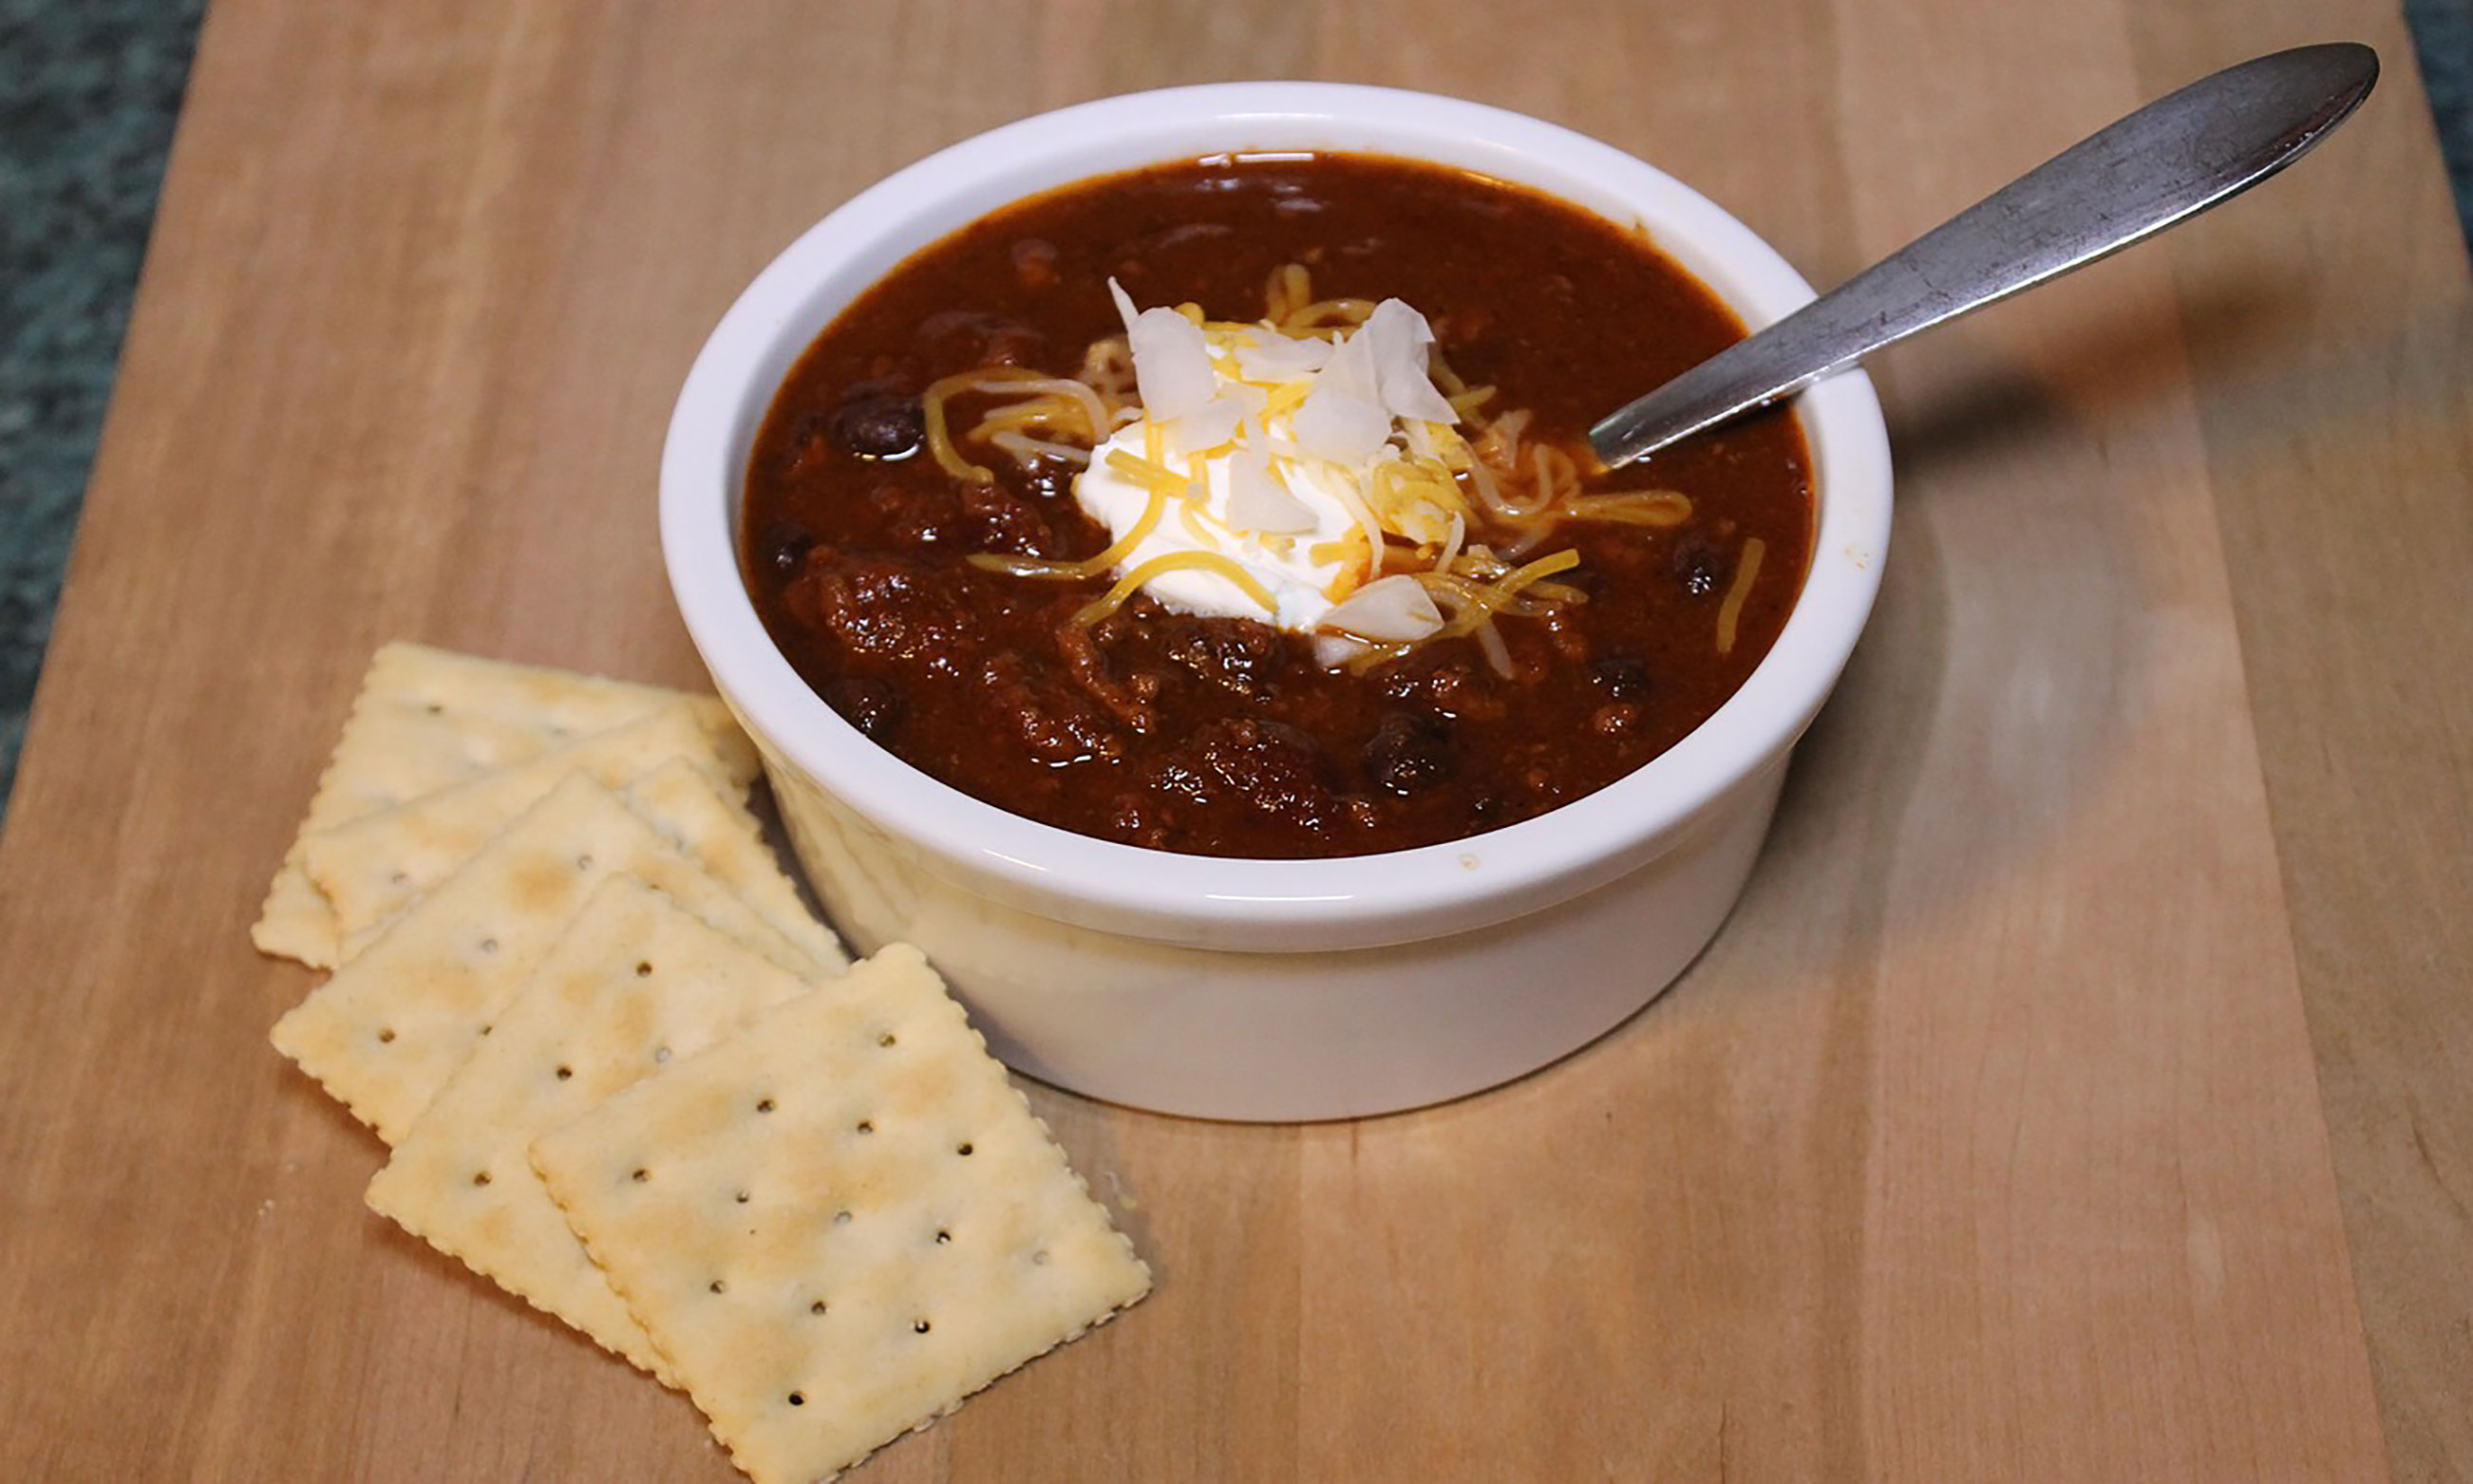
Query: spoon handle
point(2162, 165)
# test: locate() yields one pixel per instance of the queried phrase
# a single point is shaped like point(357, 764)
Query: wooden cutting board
point(2084, 1089)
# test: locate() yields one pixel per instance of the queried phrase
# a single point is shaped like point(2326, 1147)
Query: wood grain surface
point(2084, 1089)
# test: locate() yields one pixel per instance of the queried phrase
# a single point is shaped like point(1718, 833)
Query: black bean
point(1698, 565)
point(1620, 677)
point(1408, 754)
point(785, 545)
point(869, 705)
point(880, 426)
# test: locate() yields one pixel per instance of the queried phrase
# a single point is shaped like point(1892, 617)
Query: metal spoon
point(2162, 165)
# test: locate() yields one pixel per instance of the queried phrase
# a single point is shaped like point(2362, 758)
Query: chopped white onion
point(1171, 364)
point(1336, 424)
point(1271, 356)
point(1331, 651)
point(1208, 426)
point(1125, 309)
point(1350, 369)
point(1257, 502)
point(1397, 338)
point(1390, 611)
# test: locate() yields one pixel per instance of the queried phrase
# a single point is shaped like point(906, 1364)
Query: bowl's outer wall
point(1287, 1036)
point(1267, 989)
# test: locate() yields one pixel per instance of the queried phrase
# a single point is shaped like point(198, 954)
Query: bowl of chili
point(1175, 857)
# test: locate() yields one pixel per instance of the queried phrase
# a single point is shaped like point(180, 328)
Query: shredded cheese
point(1090, 567)
point(1633, 507)
point(940, 442)
point(1731, 611)
point(1131, 582)
point(1149, 473)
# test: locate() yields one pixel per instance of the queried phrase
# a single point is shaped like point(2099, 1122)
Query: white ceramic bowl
point(1249, 988)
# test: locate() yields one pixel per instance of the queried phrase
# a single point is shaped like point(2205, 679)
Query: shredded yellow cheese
point(1632, 507)
point(940, 442)
point(1290, 290)
point(1478, 604)
point(1730, 612)
point(1286, 397)
point(1088, 566)
point(1211, 560)
point(1156, 477)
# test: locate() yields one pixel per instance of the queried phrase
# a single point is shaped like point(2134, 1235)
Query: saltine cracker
point(391, 1026)
point(375, 866)
point(840, 1223)
point(635, 981)
point(425, 719)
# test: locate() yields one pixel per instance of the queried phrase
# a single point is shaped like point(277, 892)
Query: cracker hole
point(764, 1105)
point(866, 1126)
point(816, 1307)
point(717, 1286)
point(743, 1197)
point(841, 1218)
point(1039, 1258)
point(435, 709)
point(964, 1149)
point(661, 1053)
point(920, 1327)
point(643, 971)
point(489, 945)
point(399, 879)
point(798, 1398)
point(482, 1178)
point(584, 863)
point(943, 1238)
point(386, 1034)
point(884, 1040)
point(641, 1176)
point(565, 1072)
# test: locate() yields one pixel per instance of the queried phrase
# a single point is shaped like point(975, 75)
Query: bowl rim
point(1346, 901)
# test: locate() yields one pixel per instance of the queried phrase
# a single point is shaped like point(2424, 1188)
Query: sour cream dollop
point(1276, 472)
